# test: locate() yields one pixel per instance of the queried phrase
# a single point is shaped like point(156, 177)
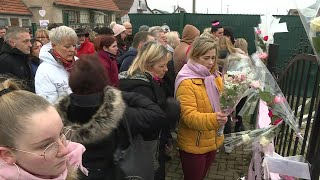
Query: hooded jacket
point(189, 34)
point(102, 128)
point(51, 80)
point(15, 63)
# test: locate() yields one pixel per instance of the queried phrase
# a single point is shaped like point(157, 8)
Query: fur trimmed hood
point(102, 123)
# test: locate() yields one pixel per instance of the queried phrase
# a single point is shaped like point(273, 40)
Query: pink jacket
point(12, 172)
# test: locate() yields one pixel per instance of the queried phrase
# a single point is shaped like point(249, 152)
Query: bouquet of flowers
point(264, 34)
point(267, 89)
point(238, 74)
point(309, 15)
point(261, 137)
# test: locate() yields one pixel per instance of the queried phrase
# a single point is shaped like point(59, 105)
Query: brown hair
point(105, 40)
point(88, 76)
point(16, 108)
point(225, 41)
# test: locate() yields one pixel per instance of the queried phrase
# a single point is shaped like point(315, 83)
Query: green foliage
point(266, 96)
point(316, 43)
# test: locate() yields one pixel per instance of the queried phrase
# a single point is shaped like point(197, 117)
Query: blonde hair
point(201, 46)
point(225, 41)
point(16, 108)
point(150, 54)
point(242, 44)
point(57, 35)
point(42, 31)
point(171, 38)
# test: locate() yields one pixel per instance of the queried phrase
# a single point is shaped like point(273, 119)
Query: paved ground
point(225, 167)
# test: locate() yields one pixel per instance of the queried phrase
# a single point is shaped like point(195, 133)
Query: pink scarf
point(12, 172)
point(193, 70)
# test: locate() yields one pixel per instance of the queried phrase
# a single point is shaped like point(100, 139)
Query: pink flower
point(279, 99)
point(255, 84)
point(263, 55)
point(266, 38)
point(243, 77)
point(258, 32)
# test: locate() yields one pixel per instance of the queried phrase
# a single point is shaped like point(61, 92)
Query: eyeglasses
point(42, 37)
point(51, 150)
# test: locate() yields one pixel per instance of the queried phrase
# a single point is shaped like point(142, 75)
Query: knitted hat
point(118, 29)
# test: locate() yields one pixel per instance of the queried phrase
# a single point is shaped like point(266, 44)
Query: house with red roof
point(73, 12)
point(14, 13)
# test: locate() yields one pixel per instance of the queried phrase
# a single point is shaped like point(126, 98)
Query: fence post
point(273, 56)
point(181, 22)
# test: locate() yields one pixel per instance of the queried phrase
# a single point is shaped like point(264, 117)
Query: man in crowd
point(139, 39)
point(129, 37)
point(84, 46)
point(14, 56)
point(2, 33)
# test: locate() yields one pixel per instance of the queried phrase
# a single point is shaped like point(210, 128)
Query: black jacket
point(15, 63)
point(127, 59)
point(156, 91)
point(101, 128)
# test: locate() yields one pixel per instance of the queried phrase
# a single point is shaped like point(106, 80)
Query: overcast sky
point(280, 7)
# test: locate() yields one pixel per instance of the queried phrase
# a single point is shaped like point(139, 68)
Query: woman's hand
point(222, 118)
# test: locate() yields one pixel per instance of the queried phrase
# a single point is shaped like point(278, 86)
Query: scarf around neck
point(193, 70)
point(66, 64)
point(14, 172)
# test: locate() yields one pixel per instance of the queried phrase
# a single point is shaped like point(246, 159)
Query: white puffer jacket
point(51, 80)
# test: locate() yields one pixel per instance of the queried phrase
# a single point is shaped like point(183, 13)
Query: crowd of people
point(74, 102)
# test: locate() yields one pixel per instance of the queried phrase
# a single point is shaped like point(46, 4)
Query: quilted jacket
point(197, 129)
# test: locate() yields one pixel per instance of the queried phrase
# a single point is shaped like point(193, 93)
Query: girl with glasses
point(33, 142)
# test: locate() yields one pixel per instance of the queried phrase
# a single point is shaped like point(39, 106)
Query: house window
point(25, 22)
point(73, 16)
point(4, 22)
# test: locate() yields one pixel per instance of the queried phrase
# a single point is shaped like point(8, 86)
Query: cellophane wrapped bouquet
point(263, 87)
point(310, 17)
point(237, 77)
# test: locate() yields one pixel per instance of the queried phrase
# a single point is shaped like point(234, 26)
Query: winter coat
point(100, 125)
point(127, 59)
point(198, 125)
point(15, 63)
point(143, 84)
point(86, 47)
point(189, 34)
point(35, 62)
point(109, 62)
point(51, 80)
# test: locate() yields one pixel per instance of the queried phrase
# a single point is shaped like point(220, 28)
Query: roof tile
point(14, 7)
point(107, 5)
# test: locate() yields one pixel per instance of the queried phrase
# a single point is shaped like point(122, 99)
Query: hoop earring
point(17, 167)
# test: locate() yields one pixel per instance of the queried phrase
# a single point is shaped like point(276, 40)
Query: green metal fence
point(242, 26)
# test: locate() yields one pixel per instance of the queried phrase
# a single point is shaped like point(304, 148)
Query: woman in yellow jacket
point(198, 87)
